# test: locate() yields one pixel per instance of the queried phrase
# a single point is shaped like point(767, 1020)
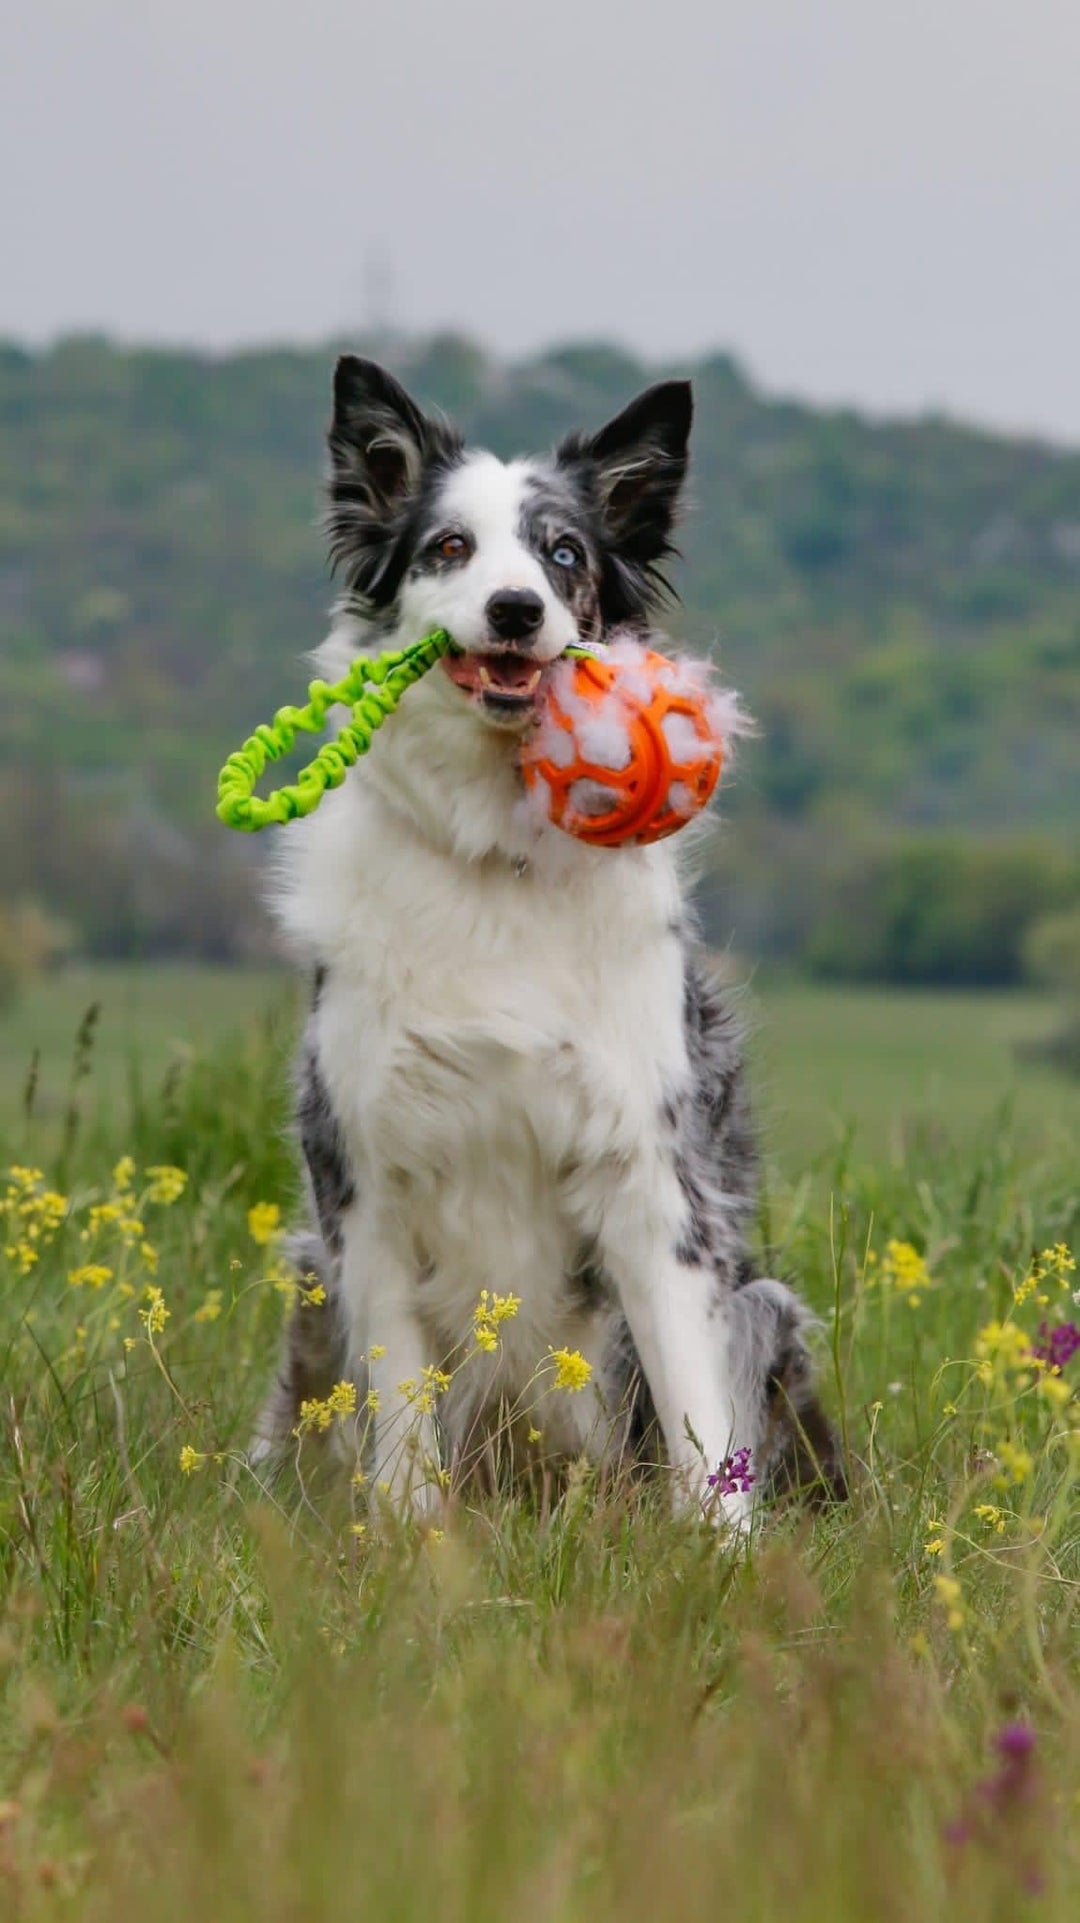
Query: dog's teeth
point(533, 681)
point(485, 678)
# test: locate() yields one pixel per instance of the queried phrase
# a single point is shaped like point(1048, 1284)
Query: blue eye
point(565, 555)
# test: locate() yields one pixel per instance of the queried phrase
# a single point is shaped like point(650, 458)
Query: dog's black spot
point(553, 510)
point(588, 1281)
point(332, 1186)
point(695, 1242)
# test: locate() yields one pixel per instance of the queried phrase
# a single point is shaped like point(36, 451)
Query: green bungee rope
point(372, 689)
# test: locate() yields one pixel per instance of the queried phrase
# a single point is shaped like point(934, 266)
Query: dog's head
point(516, 559)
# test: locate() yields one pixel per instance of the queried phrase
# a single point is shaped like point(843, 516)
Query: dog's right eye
point(452, 547)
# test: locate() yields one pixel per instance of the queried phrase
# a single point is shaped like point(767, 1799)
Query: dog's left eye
point(452, 547)
point(565, 555)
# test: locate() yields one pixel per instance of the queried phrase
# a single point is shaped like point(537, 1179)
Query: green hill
point(899, 603)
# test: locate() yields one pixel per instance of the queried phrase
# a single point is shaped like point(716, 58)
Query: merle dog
point(518, 1073)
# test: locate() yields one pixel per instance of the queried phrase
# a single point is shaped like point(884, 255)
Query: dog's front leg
point(675, 1310)
point(388, 1356)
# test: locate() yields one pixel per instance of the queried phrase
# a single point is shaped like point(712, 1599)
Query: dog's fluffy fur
point(517, 1074)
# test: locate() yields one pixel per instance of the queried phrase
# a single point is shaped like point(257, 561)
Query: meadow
point(281, 1702)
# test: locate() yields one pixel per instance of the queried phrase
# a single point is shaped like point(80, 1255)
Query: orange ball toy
point(629, 745)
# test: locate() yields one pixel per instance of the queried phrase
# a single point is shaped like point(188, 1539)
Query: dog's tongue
point(505, 672)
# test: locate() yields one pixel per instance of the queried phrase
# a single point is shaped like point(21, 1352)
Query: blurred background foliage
point(899, 604)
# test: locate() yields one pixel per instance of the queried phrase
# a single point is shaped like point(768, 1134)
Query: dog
point(518, 1074)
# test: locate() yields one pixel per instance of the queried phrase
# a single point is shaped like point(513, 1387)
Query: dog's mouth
point(502, 682)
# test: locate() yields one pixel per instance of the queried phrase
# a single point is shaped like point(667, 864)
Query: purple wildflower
point(1002, 1803)
point(1015, 1741)
point(1057, 1346)
point(734, 1477)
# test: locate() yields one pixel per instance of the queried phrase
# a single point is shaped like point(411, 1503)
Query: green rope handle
point(372, 689)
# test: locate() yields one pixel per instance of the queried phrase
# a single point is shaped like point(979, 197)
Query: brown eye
point(452, 547)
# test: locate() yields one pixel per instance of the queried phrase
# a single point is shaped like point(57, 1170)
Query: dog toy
point(629, 745)
point(627, 748)
point(372, 689)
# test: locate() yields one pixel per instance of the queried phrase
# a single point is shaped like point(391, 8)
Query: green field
point(148, 1020)
point(561, 1706)
point(882, 1061)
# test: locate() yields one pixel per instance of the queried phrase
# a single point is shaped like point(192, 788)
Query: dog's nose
point(514, 614)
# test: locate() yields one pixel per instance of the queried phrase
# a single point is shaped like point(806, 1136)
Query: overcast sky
point(875, 201)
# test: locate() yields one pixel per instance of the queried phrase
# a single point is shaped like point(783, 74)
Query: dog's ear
point(639, 465)
point(380, 442)
point(634, 469)
point(378, 436)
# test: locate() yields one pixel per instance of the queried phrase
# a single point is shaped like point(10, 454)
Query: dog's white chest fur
point(496, 1044)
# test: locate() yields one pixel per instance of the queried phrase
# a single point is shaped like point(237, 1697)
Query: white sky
point(875, 201)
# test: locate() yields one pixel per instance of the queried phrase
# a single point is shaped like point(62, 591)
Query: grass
point(879, 1061)
point(223, 1701)
point(149, 1018)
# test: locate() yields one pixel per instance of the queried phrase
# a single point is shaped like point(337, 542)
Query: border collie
point(517, 1074)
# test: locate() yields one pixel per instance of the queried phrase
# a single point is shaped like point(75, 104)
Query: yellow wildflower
point(190, 1460)
point(904, 1270)
point(24, 1178)
point(264, 1222)
point(935, 1543)
point(210, 1307)
point(155, 1315)
point(992, 1516)
point(572, 1371)
point(377, 1351)
point(373, 1403)
point(503, 1307)
point(1016, 1464)
point(166, 1184)
point(358, 1529)
point(100, 1216)
point(22, 1254)
point(1004, 1343)
point(92, 1275)
point(282, 1276)
point(1056, 1264)
point(490, 1311)
point(123, 1173)
point(319, 1414)
point(950, 1595)
point(535, 1435)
